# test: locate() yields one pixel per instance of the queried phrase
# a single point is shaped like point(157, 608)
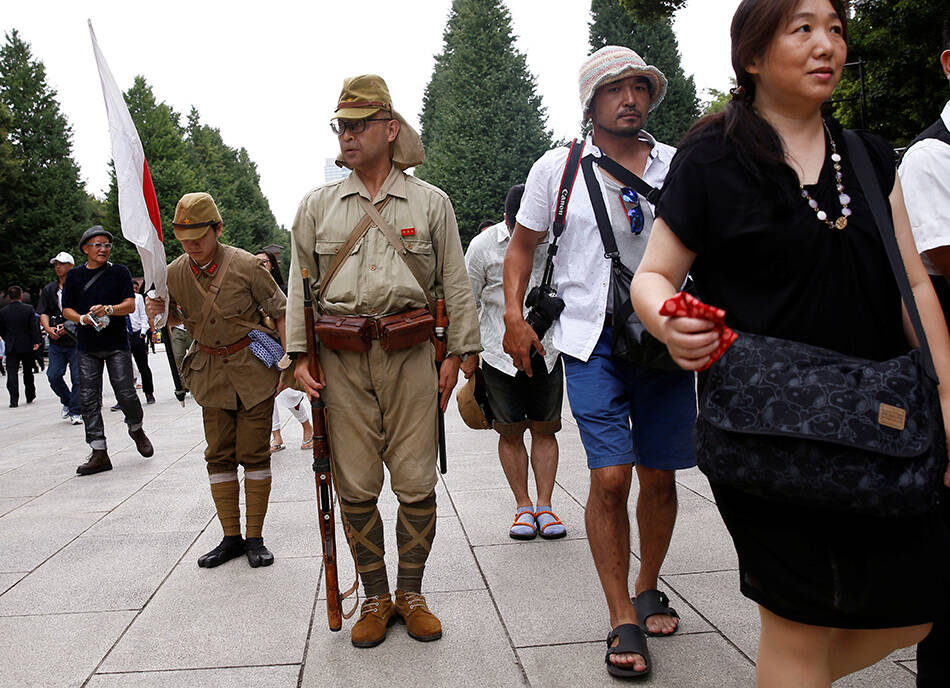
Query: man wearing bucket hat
point(98, 296)
point(382, 398)
point(62, 339)
point(221, 295)
point(627, 415)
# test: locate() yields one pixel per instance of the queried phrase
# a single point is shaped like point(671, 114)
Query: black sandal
point(632, 641)
point(650, 603)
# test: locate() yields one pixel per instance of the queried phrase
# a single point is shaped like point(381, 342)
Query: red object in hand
point(685, 305)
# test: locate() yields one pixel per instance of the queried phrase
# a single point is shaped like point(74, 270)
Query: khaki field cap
point(194, 215)
point(365, 95)
point(472, 400)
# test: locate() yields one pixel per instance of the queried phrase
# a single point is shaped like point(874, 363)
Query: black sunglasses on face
point(356, 126)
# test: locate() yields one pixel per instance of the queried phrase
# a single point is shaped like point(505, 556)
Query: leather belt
point(228, 350)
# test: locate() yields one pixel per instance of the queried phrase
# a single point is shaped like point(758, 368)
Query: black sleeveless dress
point(779, 271)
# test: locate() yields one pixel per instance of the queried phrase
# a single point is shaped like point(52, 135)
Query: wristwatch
point(109, 310)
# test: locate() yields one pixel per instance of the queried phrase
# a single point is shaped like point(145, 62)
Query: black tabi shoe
point(230, 547)
point(142, 442)
point(257, 553)
point(97, 462)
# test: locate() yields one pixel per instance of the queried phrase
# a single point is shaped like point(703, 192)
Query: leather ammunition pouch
point(404, 330)
point(356, 333)
point(345, 332)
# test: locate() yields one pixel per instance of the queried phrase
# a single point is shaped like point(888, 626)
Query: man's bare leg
point(608, 532)
point(544, 457)
point(656, 516)
point(514, 461)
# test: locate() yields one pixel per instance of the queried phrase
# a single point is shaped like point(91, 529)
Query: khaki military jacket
point(217, 381)
point(375, 280)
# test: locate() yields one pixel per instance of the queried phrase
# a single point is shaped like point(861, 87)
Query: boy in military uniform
point(222, 294)
point(382, 403)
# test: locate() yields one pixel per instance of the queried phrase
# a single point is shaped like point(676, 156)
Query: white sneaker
point(65, 412)
point(75, 420)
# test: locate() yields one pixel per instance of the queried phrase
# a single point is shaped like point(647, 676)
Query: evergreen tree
point(47, 206)
point(9, 174)
point(483, 125)
point(652, 10)
point(166, 151)
point(656, 43)
point(231, 177)
point(905, 88)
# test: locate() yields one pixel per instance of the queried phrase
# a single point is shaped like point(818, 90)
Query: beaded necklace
point(843, 198)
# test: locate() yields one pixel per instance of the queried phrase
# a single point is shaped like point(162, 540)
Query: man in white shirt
point(139, 340)
point(517, 401)
point(627, 415)
point(925, 180)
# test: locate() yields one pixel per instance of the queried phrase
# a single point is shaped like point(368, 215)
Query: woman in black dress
point(763, 207)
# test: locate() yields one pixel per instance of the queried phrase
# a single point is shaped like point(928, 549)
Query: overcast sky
point(268, 74)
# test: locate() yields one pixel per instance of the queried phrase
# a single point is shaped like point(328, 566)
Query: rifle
point(441, 323)
point(323, 472)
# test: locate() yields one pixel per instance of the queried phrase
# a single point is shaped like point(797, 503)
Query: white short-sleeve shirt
point(925, 180)
point(581, 272)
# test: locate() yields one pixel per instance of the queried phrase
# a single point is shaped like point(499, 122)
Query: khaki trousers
point(240, 437)
point(382, 409)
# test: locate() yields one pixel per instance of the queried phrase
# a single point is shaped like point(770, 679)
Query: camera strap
point(560, 209)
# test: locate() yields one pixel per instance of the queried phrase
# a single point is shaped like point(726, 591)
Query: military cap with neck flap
point(365, 95)
point(195, 214)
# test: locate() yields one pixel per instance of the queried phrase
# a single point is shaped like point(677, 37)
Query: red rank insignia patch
point(408, 231)
point(213, 267)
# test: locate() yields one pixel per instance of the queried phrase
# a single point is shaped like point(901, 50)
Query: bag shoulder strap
point(625, 176)
point(95, 277)
point(358, 231)
point(400, 247)
point(211, 293)
point(600, 211)
point(885, 227)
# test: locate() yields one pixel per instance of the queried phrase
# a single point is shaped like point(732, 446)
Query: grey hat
point(95, 231)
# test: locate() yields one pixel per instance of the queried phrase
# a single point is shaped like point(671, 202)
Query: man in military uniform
point(382, 404)
point(221, 294)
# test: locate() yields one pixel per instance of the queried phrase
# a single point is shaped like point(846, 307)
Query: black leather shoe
point(13, 404)
point(97, 462)
point(257, 553)
point(142, 443)
point(230, 547)
point(149, 399)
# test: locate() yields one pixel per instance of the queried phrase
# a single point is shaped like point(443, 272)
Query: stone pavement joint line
point(99, 586)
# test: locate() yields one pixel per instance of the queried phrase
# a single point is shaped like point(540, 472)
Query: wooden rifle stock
point(441, 324)
point(323, 473)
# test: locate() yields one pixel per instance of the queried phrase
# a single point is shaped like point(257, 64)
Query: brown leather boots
point(379, 612)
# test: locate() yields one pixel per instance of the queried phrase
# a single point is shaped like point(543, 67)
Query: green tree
point(9, 173)
point(652, 10)
point(483, 125)
point(656, 43)
point(231, 177)
point(905, 89)
point(47, 207)
point(163, 140)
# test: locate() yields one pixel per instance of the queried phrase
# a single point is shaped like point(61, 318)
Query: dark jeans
point(139, 346)
point(13, 381)
point(59, 358)
point(119, 364)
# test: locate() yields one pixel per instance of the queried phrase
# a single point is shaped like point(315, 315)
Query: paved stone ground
point(99, 585)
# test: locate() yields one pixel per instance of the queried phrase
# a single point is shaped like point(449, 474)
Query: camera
point(544, 308)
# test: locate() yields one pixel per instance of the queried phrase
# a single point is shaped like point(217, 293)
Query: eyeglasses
point(97, 245)
point(356, 126)
point(631, 205)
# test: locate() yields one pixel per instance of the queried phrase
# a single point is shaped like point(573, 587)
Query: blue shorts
point(628, 414)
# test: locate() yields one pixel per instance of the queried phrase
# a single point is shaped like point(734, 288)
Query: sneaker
point(115, 408)
point(149, 398)
point(75, 420)
point(65, 412)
